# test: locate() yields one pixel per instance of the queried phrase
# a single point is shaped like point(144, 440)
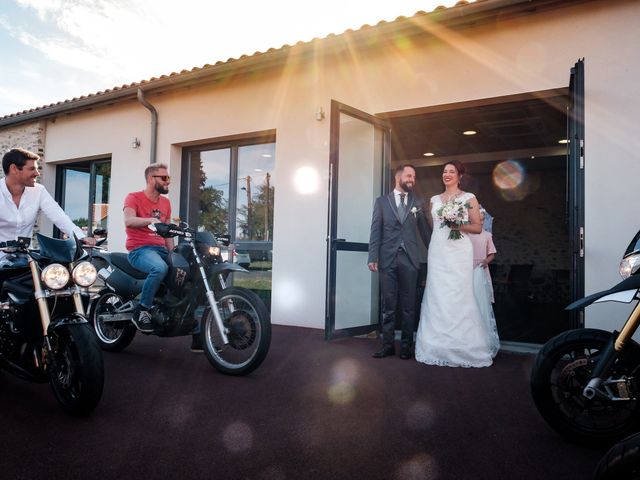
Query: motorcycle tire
point(622, 461)
point(112, 337)
point(246, 318)
point(77, 374)
point(561, 371)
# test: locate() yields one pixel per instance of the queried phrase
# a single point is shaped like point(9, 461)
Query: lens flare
point(238, 437)
point(306, 180)
point(344, 377)
point(508, 175)
point(510, 179)
point(420, 467)
point(420, 416)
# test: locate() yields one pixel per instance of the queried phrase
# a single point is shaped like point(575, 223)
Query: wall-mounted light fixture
point(319, 114)
point(135, 143)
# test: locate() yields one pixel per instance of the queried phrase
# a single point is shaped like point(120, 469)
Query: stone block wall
point(29, 136)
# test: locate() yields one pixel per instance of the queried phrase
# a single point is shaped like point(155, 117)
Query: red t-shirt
point(145, 208)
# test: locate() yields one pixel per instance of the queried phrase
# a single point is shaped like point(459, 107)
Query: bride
point(451, 331)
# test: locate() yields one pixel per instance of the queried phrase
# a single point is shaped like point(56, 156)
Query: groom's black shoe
point(384, 352)
point(406, 354)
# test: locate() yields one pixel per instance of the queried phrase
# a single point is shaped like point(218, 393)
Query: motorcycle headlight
point(215, 251)
point(84, 274)
point(629, 265)
point(55, 276)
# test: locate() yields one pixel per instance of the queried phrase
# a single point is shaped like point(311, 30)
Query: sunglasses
point(164, 178)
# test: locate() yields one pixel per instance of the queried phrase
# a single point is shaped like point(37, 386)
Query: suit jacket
point(389, 231)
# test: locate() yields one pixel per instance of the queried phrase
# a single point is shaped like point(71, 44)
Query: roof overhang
point(463, 15)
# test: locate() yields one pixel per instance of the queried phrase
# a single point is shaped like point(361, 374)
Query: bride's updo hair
point(460, 168)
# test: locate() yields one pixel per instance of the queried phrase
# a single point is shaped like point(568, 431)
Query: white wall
point(525, 54)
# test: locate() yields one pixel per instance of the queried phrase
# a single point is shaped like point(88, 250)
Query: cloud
point(98, 44)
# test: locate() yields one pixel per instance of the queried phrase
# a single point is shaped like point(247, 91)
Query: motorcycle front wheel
point(112, 336)
point(76, 372)
point(622, 461)
point(562, 370)
point(247, 321)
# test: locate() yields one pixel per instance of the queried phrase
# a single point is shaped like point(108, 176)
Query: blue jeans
point(152, 260)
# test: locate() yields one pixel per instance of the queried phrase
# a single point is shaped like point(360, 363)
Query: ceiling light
point(563, 141)
point(428, 154)
point(267, 155)
point(469, 132)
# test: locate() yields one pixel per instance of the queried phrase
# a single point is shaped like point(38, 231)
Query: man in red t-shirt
point(148, 251)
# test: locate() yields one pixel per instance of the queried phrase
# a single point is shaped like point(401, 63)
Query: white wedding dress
point(451, 331)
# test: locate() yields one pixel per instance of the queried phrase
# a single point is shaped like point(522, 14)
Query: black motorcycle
point(235, 329)
point(44, 334)
point(622, 461)
point(585, 382)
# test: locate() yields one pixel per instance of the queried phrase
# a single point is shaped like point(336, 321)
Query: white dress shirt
point(19, 221)
point(397, 194)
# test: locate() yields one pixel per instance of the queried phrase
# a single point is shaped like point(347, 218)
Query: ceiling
point(529, 128)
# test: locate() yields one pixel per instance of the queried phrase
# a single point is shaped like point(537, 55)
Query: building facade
point(286, 151)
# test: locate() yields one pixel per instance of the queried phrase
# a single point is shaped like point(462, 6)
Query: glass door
point(359, 159)
point(82, 190)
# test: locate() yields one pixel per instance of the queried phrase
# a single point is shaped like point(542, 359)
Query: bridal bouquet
point(453, 214)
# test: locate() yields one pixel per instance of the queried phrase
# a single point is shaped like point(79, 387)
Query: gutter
point(154, 124)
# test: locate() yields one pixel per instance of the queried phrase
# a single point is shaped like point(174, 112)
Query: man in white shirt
point(21, 199)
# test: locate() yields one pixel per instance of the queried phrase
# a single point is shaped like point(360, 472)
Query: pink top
point(482, 246)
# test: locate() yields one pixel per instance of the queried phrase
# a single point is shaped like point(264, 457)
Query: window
point(229, 189)
point(82, 189)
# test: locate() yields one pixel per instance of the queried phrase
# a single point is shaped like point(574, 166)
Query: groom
point(393, 253)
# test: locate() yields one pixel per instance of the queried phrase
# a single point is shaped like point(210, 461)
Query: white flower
point(414, 210)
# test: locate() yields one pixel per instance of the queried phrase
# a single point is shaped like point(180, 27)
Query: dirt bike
point(235, 328)
point(584, 382)
point(44, 334)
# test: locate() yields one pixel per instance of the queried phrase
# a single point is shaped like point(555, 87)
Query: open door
point(575, 134)
point(359, 159)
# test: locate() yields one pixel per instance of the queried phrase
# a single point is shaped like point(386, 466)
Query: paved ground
point(313, 410)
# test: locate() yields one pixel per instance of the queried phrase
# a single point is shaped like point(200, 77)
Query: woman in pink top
point(484, 251)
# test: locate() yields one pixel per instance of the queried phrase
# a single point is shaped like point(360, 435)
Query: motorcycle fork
point(45, 316)
point(612, 351)
point(210, 297)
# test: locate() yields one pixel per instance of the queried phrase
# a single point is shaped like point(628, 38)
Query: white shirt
point(19, 221)
point(397, 194)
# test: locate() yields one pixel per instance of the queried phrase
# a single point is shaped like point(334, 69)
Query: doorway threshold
point(520, 347)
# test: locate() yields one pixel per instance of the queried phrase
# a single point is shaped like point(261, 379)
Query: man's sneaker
point(196, 343)
point(143, 321)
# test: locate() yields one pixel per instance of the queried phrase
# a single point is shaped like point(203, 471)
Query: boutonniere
point(415, 211)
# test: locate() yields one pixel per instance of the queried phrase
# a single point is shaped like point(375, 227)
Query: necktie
point(401, 205)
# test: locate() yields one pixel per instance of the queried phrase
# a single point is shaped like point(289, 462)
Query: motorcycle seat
point(121, 260)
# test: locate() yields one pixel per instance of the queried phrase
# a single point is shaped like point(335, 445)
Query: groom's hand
point(373, 266)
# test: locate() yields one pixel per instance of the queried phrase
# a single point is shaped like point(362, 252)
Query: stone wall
point(28, 136)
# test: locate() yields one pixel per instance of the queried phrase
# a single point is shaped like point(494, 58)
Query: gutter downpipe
point(154, 124)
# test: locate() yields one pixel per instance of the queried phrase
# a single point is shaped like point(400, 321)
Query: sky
point(53, 50)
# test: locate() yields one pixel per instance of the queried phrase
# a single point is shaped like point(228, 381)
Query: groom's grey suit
point(393, 245)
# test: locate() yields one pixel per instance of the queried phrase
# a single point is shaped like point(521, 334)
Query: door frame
point(575, 190)
point(335, 244)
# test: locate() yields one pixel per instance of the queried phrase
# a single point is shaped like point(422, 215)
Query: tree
point(214, 208)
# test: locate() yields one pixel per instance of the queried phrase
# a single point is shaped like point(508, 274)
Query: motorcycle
point(584, 382)
point(44, 334)
point(622, 461)
point(235, 328)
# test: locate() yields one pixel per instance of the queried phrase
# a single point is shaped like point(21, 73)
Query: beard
point(161, 189)
point(407, 187)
